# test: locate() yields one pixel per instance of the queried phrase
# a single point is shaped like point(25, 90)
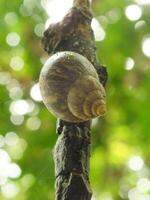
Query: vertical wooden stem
point(71, 156)
point(72, 149)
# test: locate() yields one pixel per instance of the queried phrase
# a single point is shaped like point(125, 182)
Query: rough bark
point(72, 150)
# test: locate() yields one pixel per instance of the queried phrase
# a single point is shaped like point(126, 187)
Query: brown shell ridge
point(82, 95)
point(93, 103)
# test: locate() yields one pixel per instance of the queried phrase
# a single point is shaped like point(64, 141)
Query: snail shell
point(71, 89)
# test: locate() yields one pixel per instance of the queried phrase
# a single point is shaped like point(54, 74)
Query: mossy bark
point(72, 150)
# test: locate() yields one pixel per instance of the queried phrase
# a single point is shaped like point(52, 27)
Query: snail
point(71, 89)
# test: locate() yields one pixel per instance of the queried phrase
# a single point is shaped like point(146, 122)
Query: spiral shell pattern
point(90, 97)
point(71, 89)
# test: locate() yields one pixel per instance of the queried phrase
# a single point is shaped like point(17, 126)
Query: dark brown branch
point(71, 155)
point(72, 150)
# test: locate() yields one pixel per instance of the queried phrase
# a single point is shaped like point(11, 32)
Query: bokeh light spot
point(19, 107)
point(135, 163)
point(146, 46)
point(33, 123)
point(10, 190)
point(15, 92)
point(129, 64)
point(4, 78)
point(39, 28)
point(11, 18)
point(11, 138)
point(2, 141)
point(13, 39)
point(143, 185)
point(99, 32)
point(133, 12)
point(133, 194)
point(28, 180)
point(16, 63)
point(16, 152)
point(142, 2)
point(140, 24)
point(12, 83)
point(62, 8)
point(35, 92)
point(4, 158)
point(113, 15)
point(3, 180)
point(17, 119)
point(13, 170)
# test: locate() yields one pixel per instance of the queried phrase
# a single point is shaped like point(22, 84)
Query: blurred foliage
point(120, 157)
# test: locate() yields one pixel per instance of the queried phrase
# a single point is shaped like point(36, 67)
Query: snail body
point(71, 89)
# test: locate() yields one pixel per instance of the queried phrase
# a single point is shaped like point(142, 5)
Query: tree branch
point(72, 150)
point(71, 156)
point(81, 3)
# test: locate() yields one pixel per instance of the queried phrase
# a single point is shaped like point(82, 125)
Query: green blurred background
point(120, 157)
